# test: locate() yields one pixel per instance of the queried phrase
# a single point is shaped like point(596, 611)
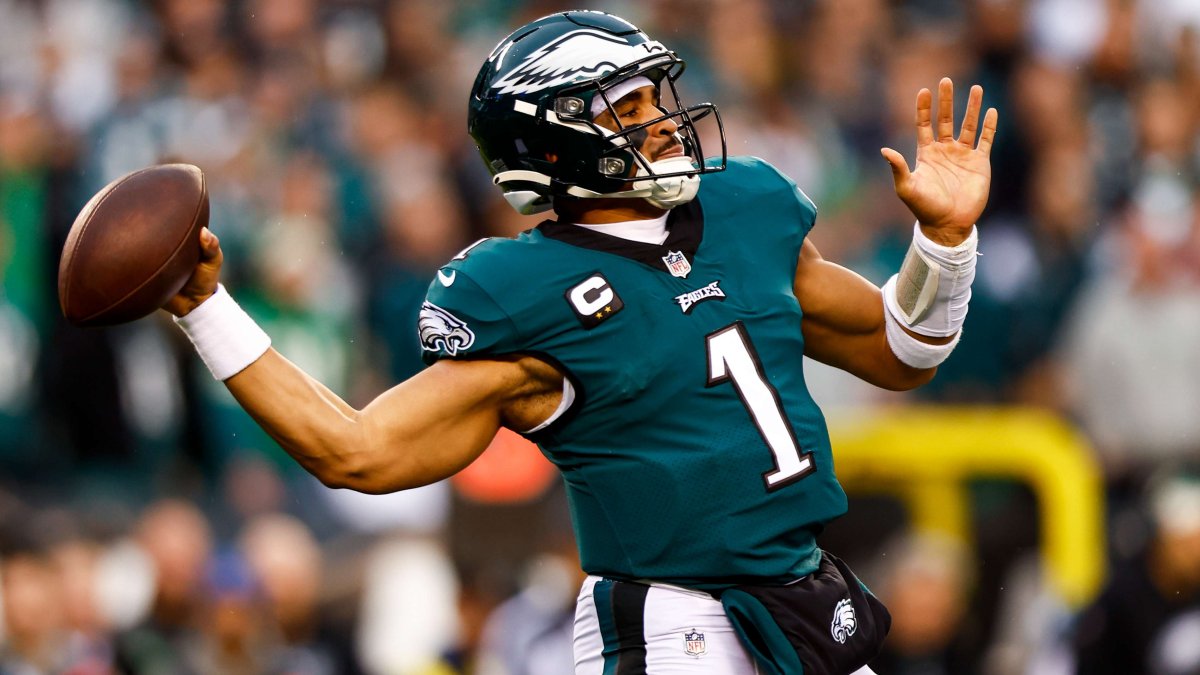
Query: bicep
point(434, 424)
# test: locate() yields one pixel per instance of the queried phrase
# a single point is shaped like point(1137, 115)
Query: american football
point(133, 245)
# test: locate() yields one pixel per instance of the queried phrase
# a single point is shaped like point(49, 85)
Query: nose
point(667, 127)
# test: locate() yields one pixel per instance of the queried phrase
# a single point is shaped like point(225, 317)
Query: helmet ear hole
point(612, 166)
point(569, 106)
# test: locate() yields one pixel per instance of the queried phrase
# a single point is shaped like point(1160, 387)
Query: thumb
point(210, 246)
point(899, 166)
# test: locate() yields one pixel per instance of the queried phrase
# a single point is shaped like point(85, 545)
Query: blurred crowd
point(148, 526)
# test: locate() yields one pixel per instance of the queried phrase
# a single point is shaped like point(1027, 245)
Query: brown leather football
point(133, 246)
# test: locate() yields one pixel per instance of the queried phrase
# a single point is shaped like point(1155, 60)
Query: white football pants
point(656, 630)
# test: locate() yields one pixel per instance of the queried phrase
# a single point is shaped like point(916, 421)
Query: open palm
point(949, 186)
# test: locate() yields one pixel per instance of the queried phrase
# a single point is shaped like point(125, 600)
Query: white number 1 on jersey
point(731, 358)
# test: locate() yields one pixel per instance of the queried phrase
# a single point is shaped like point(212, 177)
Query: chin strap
point(665, 193)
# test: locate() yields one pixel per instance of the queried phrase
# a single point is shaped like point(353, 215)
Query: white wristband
point(931, 293)
point(225, 336)
point(910, 350)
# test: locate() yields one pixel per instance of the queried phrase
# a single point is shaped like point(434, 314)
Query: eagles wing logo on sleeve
point(442, 331)
point(578, 54)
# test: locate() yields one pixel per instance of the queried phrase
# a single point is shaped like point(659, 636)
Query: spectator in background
point(233, 634)
point(176, 537)
point(24, 316)
point(51, 619)
point(37, 638)
point(89, 643)
point(287, 562)
point(1148, 617)
point(1131, 364)
point(530, 633)
point(409, 588)
point(421, 222)
point(1027, 282)
point(927, 586)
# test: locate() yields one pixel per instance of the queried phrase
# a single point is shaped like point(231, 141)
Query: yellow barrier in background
point(926, 455)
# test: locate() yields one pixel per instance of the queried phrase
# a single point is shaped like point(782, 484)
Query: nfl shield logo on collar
point(693, 643)
point(677, 264)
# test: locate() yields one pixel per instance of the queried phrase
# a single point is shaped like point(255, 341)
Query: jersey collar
point(685, 226)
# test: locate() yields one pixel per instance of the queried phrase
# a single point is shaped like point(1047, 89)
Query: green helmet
point(536, 97)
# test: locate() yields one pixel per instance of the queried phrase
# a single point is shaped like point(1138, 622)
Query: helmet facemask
point(665, 183)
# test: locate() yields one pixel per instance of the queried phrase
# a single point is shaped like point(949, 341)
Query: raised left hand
point(949, 186)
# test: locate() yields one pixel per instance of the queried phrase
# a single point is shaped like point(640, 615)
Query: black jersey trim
point(685, 230)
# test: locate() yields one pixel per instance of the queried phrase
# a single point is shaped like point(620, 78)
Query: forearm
point(418, 432)
point(312, 423)
point(865, 353)
point(316, 427)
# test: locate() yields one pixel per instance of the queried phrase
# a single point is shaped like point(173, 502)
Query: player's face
point(637, 107)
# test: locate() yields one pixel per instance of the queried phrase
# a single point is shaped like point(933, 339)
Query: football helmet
point(535, 100)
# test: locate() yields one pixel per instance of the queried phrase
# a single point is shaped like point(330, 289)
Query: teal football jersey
point(693, 453)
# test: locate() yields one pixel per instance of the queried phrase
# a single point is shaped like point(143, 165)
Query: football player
point(650, 341)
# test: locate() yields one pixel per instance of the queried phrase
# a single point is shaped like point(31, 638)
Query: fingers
point(970, 121)
point(924, 117)
point(989, 131)
point(945, 118)
point(899, 166)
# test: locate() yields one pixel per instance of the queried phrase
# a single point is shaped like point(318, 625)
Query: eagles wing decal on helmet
point(586, 53)
point(440, 330)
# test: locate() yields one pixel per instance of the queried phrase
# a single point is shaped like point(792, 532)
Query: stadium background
point(146, 523)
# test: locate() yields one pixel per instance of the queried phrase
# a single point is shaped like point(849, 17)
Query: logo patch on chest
point(677, 264)
point(689, 300)
point(594, 300)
